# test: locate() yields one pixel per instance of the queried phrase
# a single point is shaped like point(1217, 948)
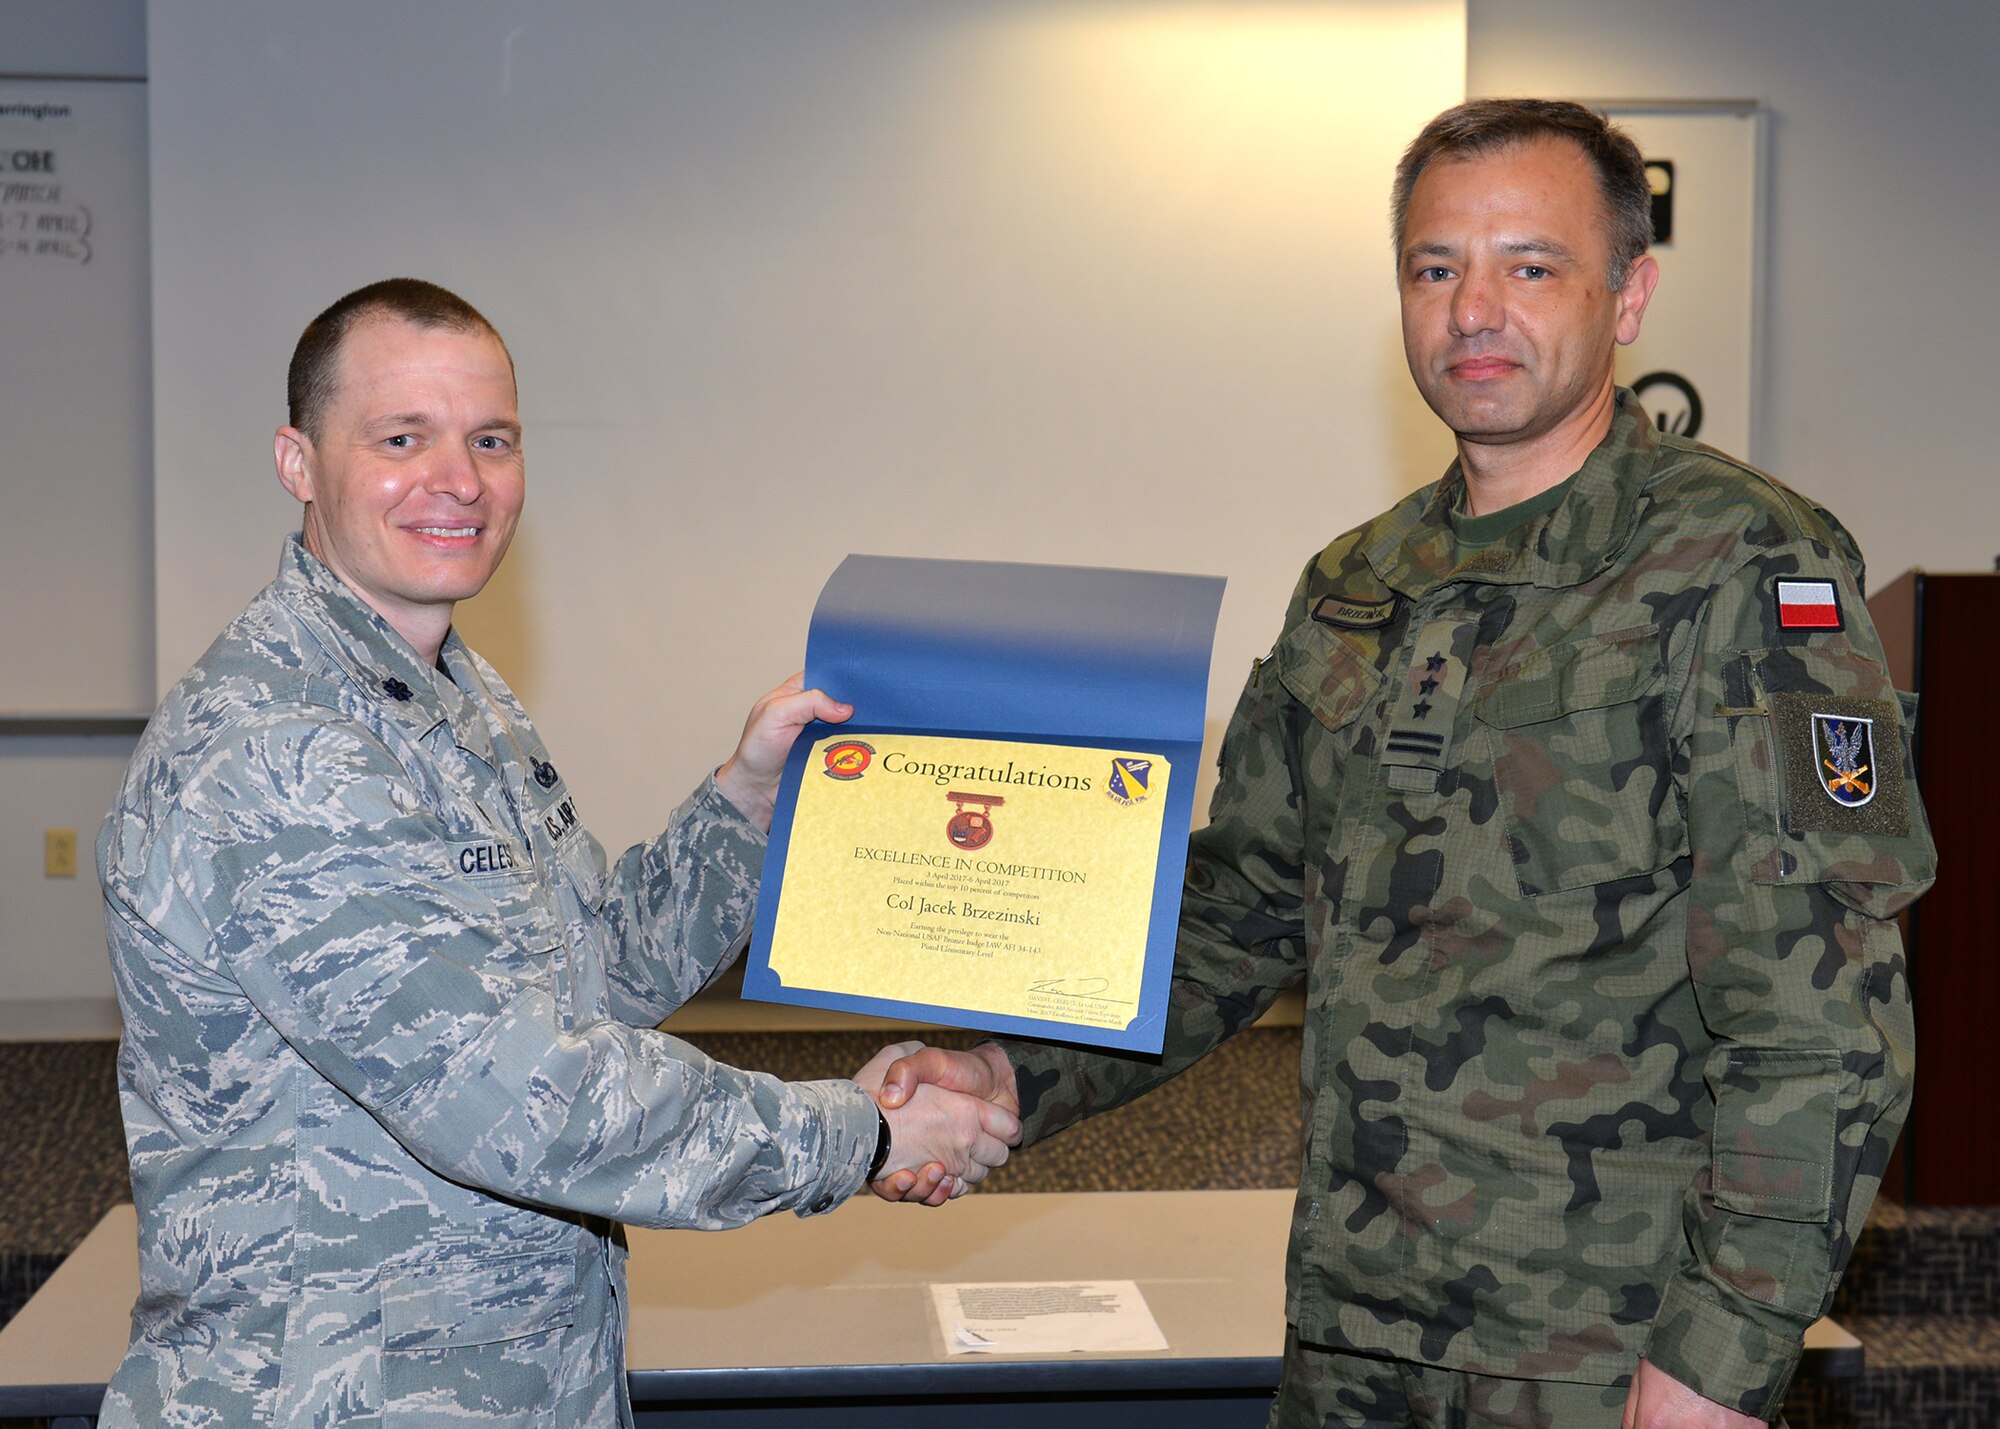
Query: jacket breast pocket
point(1326, 675)
point(531, 928)
point(1581, 761)
point(480, 1342)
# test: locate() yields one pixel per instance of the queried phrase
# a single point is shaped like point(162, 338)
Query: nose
point(452, 472)
point(1476, 305)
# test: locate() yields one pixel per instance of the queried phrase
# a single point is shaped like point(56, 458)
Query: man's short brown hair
point(1485, 126)
point(315, 371)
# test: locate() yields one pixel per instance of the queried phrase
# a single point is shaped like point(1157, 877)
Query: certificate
point(996, 878)
point(997, 838)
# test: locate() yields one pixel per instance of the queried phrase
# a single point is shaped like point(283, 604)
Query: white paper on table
point(1017, 1317)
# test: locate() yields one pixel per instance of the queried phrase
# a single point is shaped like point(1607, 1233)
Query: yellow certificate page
point(973, 874)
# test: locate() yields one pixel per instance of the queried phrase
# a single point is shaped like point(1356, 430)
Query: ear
point(293, 453)
point(1640, 280)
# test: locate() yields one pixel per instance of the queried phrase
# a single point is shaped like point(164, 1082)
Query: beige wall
point(1878, 312)
point(1033, 280)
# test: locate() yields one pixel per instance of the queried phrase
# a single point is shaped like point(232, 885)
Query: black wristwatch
point(881, 1147)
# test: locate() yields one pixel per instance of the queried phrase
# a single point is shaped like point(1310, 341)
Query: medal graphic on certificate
point(1021, 874)
point(972, 828)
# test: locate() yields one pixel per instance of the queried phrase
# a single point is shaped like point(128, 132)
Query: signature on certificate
point(1085, 987)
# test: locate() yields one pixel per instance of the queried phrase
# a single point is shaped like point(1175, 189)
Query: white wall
point(54, 978)
point(1101, 283)
point(1881, 299)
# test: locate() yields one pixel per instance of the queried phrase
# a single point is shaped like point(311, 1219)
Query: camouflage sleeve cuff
point(849, 1124)
point(1039, 1069)
point(1721, 1355)
point(709, 800)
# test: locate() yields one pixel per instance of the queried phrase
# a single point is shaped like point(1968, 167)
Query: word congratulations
point(895, 762)
point(955, 862)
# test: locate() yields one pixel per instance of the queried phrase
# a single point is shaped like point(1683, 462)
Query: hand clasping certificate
point(1002, 878)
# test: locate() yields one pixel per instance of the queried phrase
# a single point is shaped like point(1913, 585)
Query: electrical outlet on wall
point(59, 853)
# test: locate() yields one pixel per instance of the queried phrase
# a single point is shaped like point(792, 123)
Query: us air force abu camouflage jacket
point(383, 1079)
point(1585, 845)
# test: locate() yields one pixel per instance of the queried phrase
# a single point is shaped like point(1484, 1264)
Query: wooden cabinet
point(1942, 637)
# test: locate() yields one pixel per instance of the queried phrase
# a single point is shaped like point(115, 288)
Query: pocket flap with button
point(478, 1302)
point(1578, 675)
point(1325, 674)
point(1581, 761)
point(1775, 1119)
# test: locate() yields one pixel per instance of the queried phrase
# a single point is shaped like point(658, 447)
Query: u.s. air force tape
point(1843, 763)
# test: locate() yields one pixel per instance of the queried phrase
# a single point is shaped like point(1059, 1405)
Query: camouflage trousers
point(1329, 1389)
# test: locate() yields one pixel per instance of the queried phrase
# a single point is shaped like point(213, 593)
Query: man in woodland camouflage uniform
point(1576, 795)
point(388, 1074)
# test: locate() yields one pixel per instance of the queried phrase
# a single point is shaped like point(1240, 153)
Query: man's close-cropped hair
point(314, 374)
point(1485, 126)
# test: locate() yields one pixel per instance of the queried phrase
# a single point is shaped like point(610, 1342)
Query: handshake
point(951, 1116)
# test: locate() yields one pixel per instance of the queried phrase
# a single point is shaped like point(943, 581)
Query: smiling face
point(415, 482)
point(1509, 323)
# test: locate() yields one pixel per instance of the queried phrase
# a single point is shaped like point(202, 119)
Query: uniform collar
point(380, 664)
point(1413, 551)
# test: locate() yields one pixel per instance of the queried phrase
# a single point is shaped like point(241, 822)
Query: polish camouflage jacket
point(1587, 851)
point(387, 1074)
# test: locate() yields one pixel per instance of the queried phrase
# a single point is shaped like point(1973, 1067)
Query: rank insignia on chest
point(1844, 758)
point(1808, 605)
point(1418, 740)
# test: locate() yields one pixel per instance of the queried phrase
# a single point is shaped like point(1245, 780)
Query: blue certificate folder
point(1068, 655)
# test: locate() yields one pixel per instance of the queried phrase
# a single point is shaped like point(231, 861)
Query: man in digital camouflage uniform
point(387, 1073)
point(1576, 795)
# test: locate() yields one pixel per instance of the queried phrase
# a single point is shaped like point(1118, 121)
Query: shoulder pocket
point(1822, 778)
point(1581, 763)
point(1325, 674)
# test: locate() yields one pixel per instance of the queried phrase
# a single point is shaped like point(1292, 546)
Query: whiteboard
point(1103, 284)
point(75, 378)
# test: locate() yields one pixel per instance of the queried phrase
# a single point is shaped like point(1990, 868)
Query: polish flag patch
point(1808, 605)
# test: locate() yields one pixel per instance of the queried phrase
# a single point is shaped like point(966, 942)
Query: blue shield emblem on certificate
point(1844, 758)
point(1128, 780)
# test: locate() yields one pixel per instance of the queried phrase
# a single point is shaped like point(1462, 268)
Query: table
point(829, 1320)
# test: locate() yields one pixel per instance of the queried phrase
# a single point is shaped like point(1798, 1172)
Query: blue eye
point(1534, 270)
point(400, 441)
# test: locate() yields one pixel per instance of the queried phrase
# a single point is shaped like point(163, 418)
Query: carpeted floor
point(1233, 1121)
point(65, 1144)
